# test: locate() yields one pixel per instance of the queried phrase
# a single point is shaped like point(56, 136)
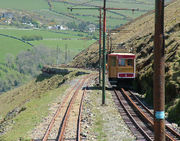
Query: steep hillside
point(137, 37)
point(23, 108)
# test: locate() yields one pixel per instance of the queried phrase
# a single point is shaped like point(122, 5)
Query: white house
point(62, 27)
point(92, 28)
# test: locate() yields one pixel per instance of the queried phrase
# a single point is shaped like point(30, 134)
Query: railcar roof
point(121, 54)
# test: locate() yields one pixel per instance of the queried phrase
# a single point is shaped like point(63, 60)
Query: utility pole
point(159, 71)
point(100, 47)
point(104, 54)
point(66, 53)
point(108, 37)
point(58, 52)
point(69, 55)
point(110, 43)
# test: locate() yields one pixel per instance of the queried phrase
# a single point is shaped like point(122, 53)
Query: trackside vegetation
point(26, 106)
point(27, 64)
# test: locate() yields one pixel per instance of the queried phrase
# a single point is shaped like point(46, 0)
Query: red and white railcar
point(121, 67)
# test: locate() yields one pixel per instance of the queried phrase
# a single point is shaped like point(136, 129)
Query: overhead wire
point(82, 4)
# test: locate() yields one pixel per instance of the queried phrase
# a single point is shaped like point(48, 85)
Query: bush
point(32, 38)
point(9, 78)
point(27, 64)
point(174, 112)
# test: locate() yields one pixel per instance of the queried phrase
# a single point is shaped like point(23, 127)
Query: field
point(75, 46)
point(24, 4)
point(72, 40)
point(114, 18)
point(10, 46)
point(44, 33)
point(61, 14)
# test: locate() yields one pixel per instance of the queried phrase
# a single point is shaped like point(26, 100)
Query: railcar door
point(112, 67)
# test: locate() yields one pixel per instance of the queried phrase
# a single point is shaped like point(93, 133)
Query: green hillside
point(57, 10)
point(74, 46)
point(11, 46)
point(30, 103)
point(44, 33)
point(24, 4)
point(114, 18)
point(73, 40)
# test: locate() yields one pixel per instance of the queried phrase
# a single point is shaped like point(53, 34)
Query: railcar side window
point(113, 61)
point(130, 62)
point(121, 62)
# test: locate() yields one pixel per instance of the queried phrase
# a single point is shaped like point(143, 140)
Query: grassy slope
point(24, 4)
point(114, 17)
point(36, 107)
point(41, 7)
point(74, 46)
point(139, 40)
point(11, 46)
point(33, 100)
point(44, 33)
point(50, 39)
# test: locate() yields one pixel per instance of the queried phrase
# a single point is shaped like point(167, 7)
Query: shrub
point(32, 38)
point(174, 112)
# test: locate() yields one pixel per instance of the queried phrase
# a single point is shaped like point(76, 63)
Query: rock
point(83, 135)
point(174, 125)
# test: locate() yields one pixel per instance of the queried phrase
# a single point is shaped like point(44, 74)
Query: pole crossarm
point(123, 9)
point(97, 8)
point(83, 8)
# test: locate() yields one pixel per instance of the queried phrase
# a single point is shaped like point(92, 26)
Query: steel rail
point(78, 138)
point(78, 135)
point(167, 126)
point(67, 113)
point(143, 114)
point(132, 118)
point(46, 135)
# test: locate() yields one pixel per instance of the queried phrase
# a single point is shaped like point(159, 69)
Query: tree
point(72, 25)
point(10, 60)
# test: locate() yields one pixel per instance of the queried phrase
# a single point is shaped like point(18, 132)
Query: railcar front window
point(121, 62)
point(113, 61)
point(130, 62)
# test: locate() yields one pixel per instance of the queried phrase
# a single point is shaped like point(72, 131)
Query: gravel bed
point(102, 122)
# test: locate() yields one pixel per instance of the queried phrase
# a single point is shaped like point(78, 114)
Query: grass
point(99, 122)
point(74, 46)
point(34, 98)
point(36, 109)
point(51, 39)
point(44, 33)
point(92, 15)
point(11, 46)
point(24, 4)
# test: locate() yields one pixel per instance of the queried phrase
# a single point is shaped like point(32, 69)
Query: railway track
point(65, 124)
point(139, 118)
